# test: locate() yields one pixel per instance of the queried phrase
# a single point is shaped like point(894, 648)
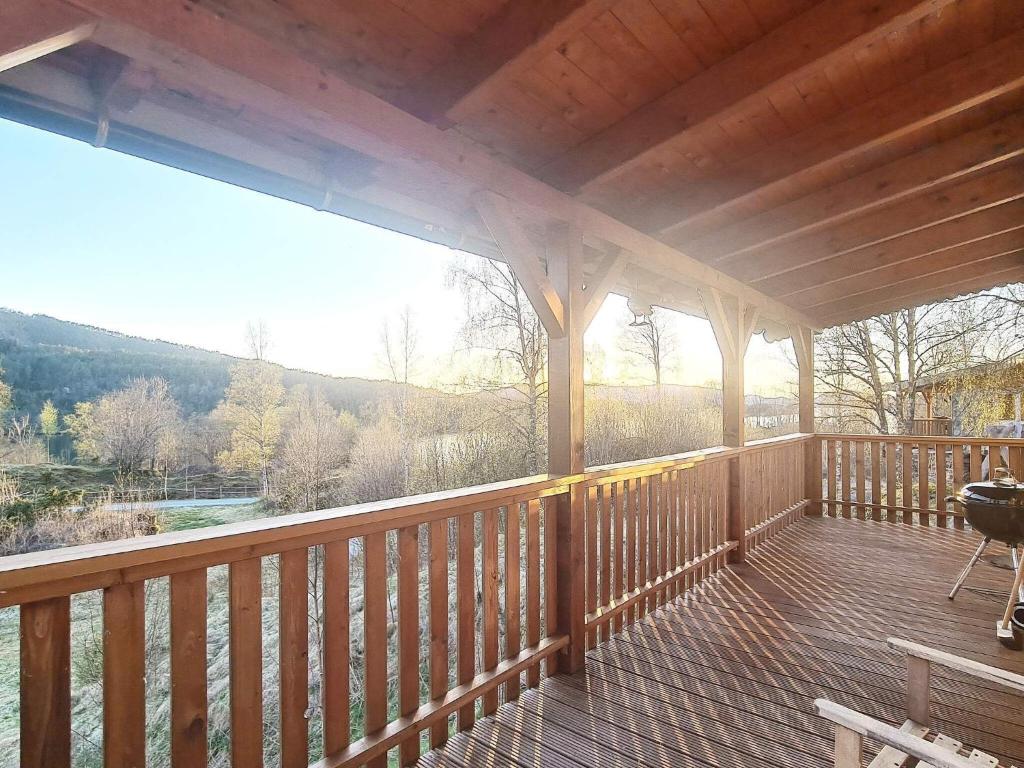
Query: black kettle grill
point(996, 510)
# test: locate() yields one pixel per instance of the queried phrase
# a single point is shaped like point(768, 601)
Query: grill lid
point(1004, 490)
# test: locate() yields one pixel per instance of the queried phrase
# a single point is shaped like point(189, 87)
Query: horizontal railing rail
point(907, 478)
point(441, 605)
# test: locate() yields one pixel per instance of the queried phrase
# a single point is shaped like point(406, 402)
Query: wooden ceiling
point(826, 160)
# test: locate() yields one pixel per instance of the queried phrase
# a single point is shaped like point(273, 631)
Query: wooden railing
point(935, 427)
point(908, 477)
point(485, 571)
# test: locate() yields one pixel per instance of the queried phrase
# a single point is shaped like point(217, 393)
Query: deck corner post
point(737, 520)
point(565, 437)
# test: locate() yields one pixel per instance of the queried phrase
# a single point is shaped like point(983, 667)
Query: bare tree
point(257, 339)
point(869, 370)
point(651, 341)
point(501, 322)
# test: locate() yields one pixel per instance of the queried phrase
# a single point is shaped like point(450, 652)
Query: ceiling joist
point(30, 29)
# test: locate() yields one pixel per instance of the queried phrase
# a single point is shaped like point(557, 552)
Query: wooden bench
point(914, 740)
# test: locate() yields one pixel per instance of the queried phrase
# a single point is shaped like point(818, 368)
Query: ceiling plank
point(770, 267)
point(975, 226)
point(958, 281)
point(962, 84)
point(829, 31)
point(511, 41)
point(851, 289)
point(33, 28)
point(195, 44)
point(917, 173)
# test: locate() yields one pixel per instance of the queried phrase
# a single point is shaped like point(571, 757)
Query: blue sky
point(110, 240)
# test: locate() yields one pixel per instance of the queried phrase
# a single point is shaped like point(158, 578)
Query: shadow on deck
point(726, 676)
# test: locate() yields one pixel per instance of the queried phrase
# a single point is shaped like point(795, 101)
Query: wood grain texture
point(245, 621)
point(124, 676)
point(337, 644)
point(375, 637)
point(294, 657)
point(189, 719)
point(46, 684)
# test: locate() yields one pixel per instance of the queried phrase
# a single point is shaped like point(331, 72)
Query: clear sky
point(110, 240)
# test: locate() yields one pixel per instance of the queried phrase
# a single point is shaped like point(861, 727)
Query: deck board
point(725, 675)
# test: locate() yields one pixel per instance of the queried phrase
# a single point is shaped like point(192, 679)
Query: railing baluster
point(337, 642)
point(513, 599)
point(438, 623)
point(465, 599)
point(862, 511)
point(830, 469)
point(409, 634)
point(605, 503)
point(591, 559)
point(907, 456)
point(124, 676)
point(845, 494)
point(924, 502)
point(642, 508)
point(891, 482)
point(958, 478)
point(188, 669)
point(489, 585)
point(46, 683)
point(940, 485)
point(245, 619)
point(533, 556)
point(375, 637)
point(975, 463)
point(550, 577)
point(619, 533)
point(294, 657)
point(629, 499)
point(876, 480)
point(671, 492)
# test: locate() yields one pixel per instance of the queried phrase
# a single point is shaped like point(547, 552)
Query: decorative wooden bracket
point(733, 322)
point(33, 28)
point(601, 283)
point(524, 259)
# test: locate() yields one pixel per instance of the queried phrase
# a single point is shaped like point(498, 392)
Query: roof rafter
point(33, 28)
point(195, 43)
point(827, 32)
point(770, 266)
point(974, 226)
point(511, 41)
point(967, 82)
point(924, 170)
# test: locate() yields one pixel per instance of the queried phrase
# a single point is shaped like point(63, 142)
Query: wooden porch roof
point(823, 161)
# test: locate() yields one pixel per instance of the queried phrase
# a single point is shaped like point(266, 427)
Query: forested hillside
point(49, 359)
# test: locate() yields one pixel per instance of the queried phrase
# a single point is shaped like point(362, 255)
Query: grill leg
point(970, 564)
point(1015, 557)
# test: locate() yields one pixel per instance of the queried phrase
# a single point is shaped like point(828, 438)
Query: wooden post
point(733, 324)
point(561, 301)
point(565, 434)
point(803, 346)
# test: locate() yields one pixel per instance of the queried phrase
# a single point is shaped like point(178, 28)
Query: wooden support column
point(561, 303)
point(803, 346)
point(565, 434)
point(733, 322)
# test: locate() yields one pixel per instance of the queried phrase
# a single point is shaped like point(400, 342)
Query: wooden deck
point(726, 676)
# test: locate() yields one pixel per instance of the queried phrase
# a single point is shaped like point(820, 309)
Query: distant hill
point(46, 358)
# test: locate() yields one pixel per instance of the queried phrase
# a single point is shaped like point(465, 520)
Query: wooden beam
point(520, 254)
point(601, 284)
point(769, 267)
point(907, 109)
point(829, 32)
point(803, 348)
point(920, 172)
point(975, 226)
point(510, 42)
point(33, 28)
point(733, 324)
point(199, 46)
point(565, 438)
point(924, 289)
point(848, 288)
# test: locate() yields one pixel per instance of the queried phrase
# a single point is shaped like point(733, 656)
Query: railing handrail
point(1012, 442)
point(69, 570)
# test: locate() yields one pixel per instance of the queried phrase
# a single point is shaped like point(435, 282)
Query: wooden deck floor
point(726, 676)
